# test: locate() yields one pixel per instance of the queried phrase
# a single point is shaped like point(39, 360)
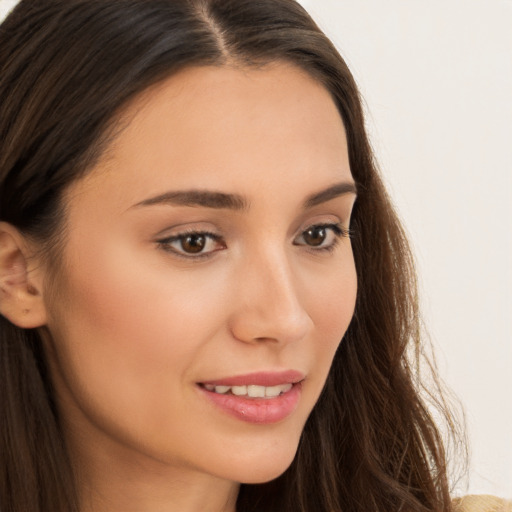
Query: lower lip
point(257, 410)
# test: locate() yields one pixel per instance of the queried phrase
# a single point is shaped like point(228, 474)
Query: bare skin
point(159, 293)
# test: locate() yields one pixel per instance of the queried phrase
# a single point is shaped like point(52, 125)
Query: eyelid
point(165, 243)
point(184, 228)
point(338, 222)
point(335, 226)
point(338, 230)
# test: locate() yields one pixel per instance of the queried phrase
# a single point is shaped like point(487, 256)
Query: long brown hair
point(67, 69)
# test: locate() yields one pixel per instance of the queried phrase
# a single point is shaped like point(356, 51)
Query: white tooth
point(209, 387)
point(274, 391)
point(222, 389)
point(287, 387)
point(239, 390)
point(256, 391)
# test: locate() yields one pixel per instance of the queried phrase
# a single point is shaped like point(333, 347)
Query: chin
point(266, 466)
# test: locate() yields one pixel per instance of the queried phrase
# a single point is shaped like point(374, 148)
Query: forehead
point(239, 125)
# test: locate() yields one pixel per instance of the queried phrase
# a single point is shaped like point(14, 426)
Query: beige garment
point(482, 503)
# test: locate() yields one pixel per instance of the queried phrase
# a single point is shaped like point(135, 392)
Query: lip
point(259, 379)
point(257, 410)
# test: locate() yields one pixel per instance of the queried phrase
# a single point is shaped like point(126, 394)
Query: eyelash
point(338, 231)
point(166, 243)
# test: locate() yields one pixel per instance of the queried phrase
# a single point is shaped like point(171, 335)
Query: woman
point(197, 313)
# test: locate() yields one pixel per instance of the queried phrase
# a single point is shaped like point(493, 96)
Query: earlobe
point(21, 300)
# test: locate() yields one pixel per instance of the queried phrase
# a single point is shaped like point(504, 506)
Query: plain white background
point(436, 76)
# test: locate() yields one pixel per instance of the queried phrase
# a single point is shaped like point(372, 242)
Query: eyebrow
point(332, 192)
point(204, 198)
point(221, 200)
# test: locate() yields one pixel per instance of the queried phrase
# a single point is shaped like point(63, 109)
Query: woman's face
point(206, 264)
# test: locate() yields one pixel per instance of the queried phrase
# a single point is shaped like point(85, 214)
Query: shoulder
point(481, 503)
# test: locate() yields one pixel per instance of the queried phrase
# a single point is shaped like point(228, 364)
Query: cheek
point(333, 299)
point(331, 303)
point(128, 331)
point(136, 303)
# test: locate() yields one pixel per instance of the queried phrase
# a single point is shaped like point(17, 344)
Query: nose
point(268, 302)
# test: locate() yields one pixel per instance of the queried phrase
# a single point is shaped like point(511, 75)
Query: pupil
point(315, 236)
point(193, 243)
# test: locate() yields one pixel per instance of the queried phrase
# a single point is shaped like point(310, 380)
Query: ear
point(21, 300)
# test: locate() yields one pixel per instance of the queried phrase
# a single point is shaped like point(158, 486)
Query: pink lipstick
point(262, 397)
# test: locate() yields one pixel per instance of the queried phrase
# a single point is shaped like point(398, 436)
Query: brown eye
point(321, 237)
point(315, 236)
point(193, 243)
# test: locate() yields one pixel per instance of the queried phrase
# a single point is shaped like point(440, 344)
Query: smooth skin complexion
point(209, 242)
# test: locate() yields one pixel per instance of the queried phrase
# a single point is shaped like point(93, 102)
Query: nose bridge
point(269, 300)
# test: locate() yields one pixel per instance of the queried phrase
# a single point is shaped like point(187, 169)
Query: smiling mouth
point(249, 391)
point(258, 397)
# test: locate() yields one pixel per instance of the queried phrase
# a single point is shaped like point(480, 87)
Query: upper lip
point(265, 378)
